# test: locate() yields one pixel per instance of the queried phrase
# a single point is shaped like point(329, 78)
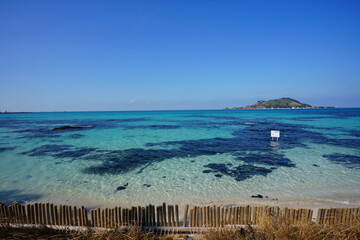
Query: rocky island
point(280, 103)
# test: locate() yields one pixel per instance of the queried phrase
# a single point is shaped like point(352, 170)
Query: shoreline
point(339, 199)
point(316, 204)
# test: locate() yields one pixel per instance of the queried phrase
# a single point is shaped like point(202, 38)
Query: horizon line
point(164, 110)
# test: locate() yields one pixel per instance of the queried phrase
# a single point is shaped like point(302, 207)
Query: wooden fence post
point(185, 215)
point(176, 216)
point(191, 220)
point(164, 214)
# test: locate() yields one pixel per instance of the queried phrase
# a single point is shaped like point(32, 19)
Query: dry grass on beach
point(280, 229)
point(7, 232)
point(268, 229)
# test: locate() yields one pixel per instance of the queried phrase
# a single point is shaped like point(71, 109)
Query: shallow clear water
point(136, 158)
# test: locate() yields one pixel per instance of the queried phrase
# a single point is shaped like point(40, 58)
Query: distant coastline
point(13, 112)
point(280, 103)
point(242, 108)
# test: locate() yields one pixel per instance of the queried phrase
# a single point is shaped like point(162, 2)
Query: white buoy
point(275, 134)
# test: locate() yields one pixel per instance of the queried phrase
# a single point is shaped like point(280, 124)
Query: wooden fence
point(333, 216)
point(166, 215)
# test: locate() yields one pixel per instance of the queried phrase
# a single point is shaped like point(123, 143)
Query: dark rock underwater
point(250, 145)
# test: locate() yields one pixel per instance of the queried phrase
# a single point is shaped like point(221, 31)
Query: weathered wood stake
point(185, 215)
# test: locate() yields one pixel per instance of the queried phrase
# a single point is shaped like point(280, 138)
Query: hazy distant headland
point(280, 103)
point(6, 112)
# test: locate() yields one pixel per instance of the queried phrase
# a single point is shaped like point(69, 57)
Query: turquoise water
point(136, 158)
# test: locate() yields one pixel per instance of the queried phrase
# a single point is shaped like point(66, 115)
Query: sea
point(131, 158)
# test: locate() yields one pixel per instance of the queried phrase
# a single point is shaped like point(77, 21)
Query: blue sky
point(142, 55)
